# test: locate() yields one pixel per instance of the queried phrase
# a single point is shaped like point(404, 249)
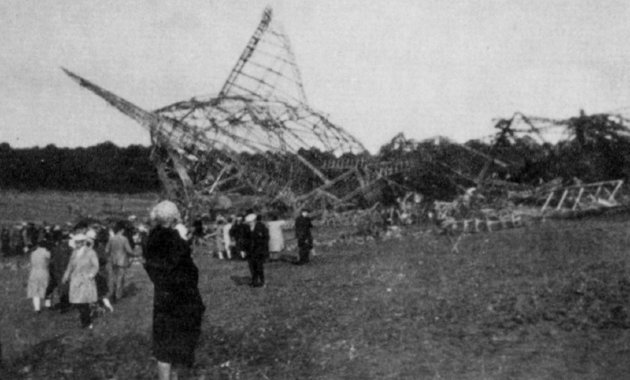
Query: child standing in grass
point(39, 275)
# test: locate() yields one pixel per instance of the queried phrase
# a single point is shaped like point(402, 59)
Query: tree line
point(104, 167)
point(598, 148)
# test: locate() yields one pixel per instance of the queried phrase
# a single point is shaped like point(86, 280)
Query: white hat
point(80, 237)
point(74, 239)
point(91, 234)
point(250, 218)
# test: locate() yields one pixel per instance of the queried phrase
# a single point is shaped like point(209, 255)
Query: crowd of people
point(248, 236)
point(83, 267)
point(178, 308)
point(85, 264)
point(82, 264)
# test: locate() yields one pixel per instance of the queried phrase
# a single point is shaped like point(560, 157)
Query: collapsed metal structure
point(563, 196)
point(254, 136)
point(260, 136)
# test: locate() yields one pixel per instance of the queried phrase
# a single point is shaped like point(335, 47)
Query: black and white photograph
point(314, 189)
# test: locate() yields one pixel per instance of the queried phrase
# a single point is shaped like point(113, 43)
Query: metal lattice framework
point(262, 106)
point(202, 145)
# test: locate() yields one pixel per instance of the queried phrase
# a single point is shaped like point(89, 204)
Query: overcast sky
point(375, 67)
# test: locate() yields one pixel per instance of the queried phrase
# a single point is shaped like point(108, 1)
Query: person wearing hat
point(81, 273)
point(39, 275)
point(79, 229)
point(258, 249)
point(304, 237)
point(177, 305)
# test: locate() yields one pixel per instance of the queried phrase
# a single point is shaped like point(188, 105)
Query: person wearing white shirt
point(276, 237)
point(227, 241)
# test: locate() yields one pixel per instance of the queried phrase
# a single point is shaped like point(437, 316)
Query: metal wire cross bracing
point(261, 112)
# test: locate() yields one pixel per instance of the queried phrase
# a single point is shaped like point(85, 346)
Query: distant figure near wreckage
point(258, 249)
point(303, 226)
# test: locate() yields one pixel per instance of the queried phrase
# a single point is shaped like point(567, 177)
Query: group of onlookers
point(84, 266)
point(21, 238)
point(228, 236)
point(178, 307)
point(247, 236)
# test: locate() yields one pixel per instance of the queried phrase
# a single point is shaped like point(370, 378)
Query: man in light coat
point(117, 251)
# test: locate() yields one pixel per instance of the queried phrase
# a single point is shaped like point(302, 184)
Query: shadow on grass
point(131, 290)
point(81, 355)
point(268, 350)
point(241, 280)
point(285, 258)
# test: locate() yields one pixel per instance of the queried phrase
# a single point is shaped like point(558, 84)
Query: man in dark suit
point(258, 249)
point(60, 256)
point(239, 235)
point(303, 235)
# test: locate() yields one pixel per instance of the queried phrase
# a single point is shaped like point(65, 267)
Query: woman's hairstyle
point(165, 213)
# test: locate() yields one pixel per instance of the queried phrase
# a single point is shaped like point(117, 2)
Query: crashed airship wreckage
point(546, 182)
point(255, 136)
point(259, 136)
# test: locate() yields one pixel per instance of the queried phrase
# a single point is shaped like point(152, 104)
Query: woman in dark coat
point(60, 256)
point(177, 304)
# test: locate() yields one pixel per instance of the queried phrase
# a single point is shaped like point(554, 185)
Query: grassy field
point(61, 207)
point(548, 301)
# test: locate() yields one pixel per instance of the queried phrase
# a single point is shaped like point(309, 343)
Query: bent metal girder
point(201, 145)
